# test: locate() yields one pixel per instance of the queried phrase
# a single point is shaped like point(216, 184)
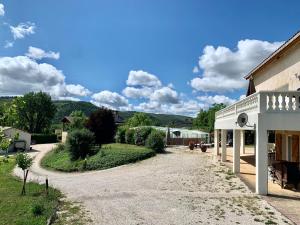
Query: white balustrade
point(264, 102)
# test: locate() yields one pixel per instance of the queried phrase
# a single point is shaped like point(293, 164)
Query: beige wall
point(24, 136)
point(280, 74)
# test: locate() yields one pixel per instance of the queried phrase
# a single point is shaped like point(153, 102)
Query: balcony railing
point(264, 102)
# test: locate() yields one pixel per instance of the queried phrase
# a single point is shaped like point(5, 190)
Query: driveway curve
point(179, 187)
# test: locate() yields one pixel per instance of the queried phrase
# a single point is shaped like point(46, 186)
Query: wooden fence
point(183, 141)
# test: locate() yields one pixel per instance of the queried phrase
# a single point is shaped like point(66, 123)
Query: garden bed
point(110, 155)
point(33, 208)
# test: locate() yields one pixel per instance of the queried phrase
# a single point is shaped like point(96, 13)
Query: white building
point(272, 104)
point(10, 132)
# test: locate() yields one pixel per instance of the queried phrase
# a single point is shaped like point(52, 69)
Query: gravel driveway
point(179, 187)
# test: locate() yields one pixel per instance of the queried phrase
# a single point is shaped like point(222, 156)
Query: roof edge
point(272, 55)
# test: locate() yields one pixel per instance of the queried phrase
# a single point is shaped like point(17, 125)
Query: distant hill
point(64, 108)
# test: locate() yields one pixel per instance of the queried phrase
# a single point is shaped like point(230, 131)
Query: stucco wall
point(281, 74)
point(22, 135)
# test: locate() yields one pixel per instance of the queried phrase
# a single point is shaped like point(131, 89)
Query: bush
point(59, 148)
point(102, 124)
point(120, 136)
point(43, 138)
point(37, 209)
point(155, 141)
point(79, 144)
point(129, 136)
point(141, 134)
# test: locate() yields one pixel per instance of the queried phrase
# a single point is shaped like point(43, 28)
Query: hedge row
point(43, 138)
point(143, 136)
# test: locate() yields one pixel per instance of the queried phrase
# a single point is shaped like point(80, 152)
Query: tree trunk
point(25, 174)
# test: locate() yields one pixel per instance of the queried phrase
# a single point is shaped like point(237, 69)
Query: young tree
point(78, 120)
point(102, 124)
point(35, 111)
point(139, 119)
point(24, 161)
point(205, 120)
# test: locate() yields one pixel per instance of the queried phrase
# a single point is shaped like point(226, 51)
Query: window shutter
point(278, 147)
point(295, 148)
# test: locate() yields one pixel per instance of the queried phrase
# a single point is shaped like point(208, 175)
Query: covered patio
point(284, 200)
point(263, 111)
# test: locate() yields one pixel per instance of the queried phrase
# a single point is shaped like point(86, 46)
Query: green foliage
point(120, 135)
point(141, 134)
point(79, 143)
point(4, 141)
point(24, 161)
point(34, 112)
point(78, 120)
point(102, 124)
point(37, 209)
point(162, 119)
point(18, 210)
point(129, 136)
point(205, 120)
point(65, 108)
point(109, 156)
point(155, 141)
point(43, 138)
point(8, 114)
point(139, 119)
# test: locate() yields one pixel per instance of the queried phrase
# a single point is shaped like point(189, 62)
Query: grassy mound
point(33, 208)
point(109, 156)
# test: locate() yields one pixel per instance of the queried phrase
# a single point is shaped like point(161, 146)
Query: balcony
point(270, 103)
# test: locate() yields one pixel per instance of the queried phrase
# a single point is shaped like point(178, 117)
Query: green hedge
point(43, 138)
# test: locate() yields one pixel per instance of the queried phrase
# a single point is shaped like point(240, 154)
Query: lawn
point(17, 209)
point(110, 155)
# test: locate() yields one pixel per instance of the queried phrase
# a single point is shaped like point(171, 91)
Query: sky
point(161, 56)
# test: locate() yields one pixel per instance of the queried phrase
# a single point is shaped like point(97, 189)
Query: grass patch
point(33, 208)
point(109, 156)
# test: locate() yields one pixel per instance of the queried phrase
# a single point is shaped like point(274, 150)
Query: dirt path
point(180, 187)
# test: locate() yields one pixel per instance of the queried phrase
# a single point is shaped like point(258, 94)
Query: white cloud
point(77, 90)
point(142, 78)
point(20, 74)
point(9, 44)
point(217, 99)
point(165, 95)
point(132, 92)
point(109, 99)
point(223, 68)
point(69, 98)
point(37, 53)
point(242, 97)
point(2, 11)
point(22, 30)
point(196, 69)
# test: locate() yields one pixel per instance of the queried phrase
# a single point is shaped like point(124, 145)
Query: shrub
point(59, 148)
point(129, 136)
point(155, 141)
point(43, 138)
point(79, 144)
point(120, 136)
point(141, 134)
point(102, 124)
point(37, 209)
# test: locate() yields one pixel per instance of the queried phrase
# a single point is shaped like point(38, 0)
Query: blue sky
point(166, 56)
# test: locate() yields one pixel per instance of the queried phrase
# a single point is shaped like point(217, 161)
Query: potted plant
point(191, 145)
point(203, 147)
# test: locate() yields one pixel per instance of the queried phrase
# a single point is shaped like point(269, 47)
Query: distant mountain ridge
point(64, 108)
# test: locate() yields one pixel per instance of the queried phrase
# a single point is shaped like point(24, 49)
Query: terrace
point(266, 111)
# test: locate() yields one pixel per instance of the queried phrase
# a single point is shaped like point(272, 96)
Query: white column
point(216, 144)
point(243, 141)
point(261, 159)
point(236, 151)
point(223, 144)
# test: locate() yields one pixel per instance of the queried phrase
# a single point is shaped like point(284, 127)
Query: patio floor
point(284, 200)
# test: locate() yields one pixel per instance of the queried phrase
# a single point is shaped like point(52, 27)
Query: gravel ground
point(180, 187)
